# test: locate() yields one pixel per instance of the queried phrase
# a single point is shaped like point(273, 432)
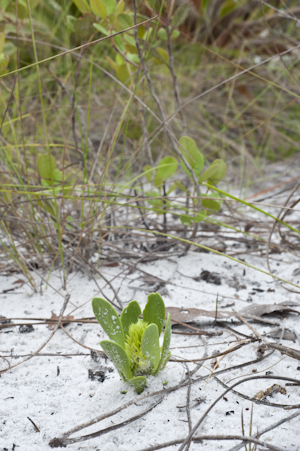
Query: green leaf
point(125, 21)
point(150, 345)
point(119, 43)
point(155, 311)
point(158, 181)
point(147, 35)
point(209, 173)
point(82, 5)
point(186, 219)
point(101, 29)
point(141, 32)
point(57, 176)
point(46, 165)
point(138, 383)
point(120, 7)
point(22, 10)
point(191, 149)
point(118, 356)
point(134, 58)
point(200, 216)
point(166, 360)
point(119, 59)
point(165, 353)
point(192, 154)
point(129, 315)
point(211, 204)
point(130, 40)
point(175, 34)
point(162, 34)
point(111, 6)
point(123, 73)
point(98, 8)
point(5, 4)
point(199, 164)
point(217, 177)
point(108, 318)
point(148, 172)
point(167, 167)
point(162, 56)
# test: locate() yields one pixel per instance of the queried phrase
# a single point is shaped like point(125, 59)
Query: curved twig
point(58, 324)
point(185, 442)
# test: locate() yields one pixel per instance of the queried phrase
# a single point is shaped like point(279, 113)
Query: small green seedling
point(134, 347)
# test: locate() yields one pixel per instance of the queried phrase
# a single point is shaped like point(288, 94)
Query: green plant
point(168, 166)
point(134, 349)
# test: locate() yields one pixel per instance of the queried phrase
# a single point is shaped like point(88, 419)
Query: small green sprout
point(134, 347)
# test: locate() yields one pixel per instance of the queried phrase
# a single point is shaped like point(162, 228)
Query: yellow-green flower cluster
point(139, 364)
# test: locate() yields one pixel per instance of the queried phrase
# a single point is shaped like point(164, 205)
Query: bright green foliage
point(109, 320)
point(162, 34)
point(150, 346)
point(82, 5)
point(110, 6)
point(167, 167)
point(47, 169)
point(165, 354)
point(130, 315)
point(138, 383)
point(101, 29)
point(220, 173)
point(98, 8)
point(134, 349)
point(117, 354)
point(208, 173)
point(138, 362)
point(112, 17)
point(192, 154)
point(155, 311)
point(210, 204)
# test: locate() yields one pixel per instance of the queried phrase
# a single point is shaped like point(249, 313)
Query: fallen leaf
point(266, 309)
point(190, 314)
point(19, 282)
point(254, 311)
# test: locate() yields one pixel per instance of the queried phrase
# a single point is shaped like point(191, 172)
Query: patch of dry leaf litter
point(228, 357)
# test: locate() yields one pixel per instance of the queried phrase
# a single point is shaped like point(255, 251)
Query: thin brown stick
point(215, 437)
point(294, 353)
point(63, 442)
point(183, 445)
point(269, 428)
point(67, 297)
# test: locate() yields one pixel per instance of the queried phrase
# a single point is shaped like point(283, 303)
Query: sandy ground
point(64, 386)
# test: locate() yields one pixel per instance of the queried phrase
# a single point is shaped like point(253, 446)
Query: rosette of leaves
point(134, 343)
